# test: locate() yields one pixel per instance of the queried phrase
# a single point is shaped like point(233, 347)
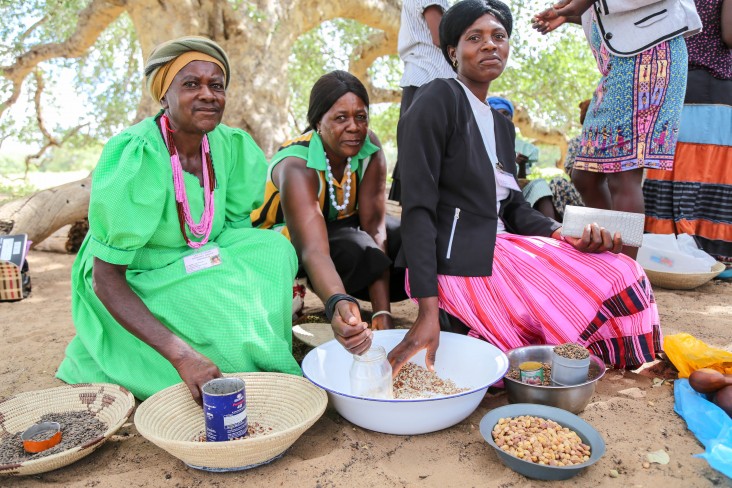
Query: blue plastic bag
point(709, 423)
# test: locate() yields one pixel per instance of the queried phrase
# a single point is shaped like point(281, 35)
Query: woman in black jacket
point(472, 244)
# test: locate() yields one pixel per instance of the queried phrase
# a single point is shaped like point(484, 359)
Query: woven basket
point(313, 334)
point(682, 281)
point(112, 404)
point(286, 403)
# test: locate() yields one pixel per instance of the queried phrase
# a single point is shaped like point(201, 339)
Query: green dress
point(237, 313)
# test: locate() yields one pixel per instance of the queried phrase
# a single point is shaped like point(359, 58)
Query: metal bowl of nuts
point(423, 401)
point(572, 398)
point(541, 442)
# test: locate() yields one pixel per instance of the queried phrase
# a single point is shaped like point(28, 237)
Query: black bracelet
point(335, 298)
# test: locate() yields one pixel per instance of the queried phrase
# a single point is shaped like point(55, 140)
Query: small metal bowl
point(572, 398)
point(51, 436)
point(585, 431)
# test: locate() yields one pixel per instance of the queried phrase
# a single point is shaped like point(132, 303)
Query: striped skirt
point(696, 197)
point(543, 291)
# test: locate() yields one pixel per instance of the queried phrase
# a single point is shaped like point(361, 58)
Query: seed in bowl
point(414, 381)
point(541, 441)
point(570, 350)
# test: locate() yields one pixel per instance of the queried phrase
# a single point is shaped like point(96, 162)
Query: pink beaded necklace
point(201, 229)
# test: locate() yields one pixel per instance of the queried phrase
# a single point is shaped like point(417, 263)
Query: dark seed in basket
point(77, 428)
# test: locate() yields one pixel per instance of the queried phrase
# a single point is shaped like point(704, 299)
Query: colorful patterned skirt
point(696, 197)
point(633, 120)
point(543, 291)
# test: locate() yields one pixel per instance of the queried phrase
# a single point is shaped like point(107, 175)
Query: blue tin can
point(225, 409)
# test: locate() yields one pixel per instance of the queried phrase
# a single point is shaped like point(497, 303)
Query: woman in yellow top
point(326, 191)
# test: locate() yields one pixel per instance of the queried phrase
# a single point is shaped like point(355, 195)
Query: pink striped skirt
point(543, 291)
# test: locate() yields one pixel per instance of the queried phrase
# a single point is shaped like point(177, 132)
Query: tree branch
point(50, 140)
point(30, 29)
point(92, 21)
point(378, 44)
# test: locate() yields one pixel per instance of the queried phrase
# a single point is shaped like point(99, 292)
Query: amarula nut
point(540, 441)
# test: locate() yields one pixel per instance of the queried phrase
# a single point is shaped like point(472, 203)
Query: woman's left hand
point(595, 239)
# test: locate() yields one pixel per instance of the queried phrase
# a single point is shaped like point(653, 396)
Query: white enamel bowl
point(470, 363)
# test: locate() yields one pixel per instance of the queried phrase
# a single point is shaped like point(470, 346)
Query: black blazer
point(449, 213)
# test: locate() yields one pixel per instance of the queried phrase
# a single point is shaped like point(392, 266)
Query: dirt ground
point(333, 452)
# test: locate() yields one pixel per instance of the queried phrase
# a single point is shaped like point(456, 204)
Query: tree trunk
point(531, 130)
point(40, 214)
point(258, 42)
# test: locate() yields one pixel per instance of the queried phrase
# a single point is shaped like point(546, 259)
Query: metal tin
point(225, 409)
point(531, 372)
point(49, 433)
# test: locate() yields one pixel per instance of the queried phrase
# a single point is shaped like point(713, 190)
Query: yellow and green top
point(309, 147)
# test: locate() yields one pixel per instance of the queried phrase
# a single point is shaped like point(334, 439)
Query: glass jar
point(371, 374)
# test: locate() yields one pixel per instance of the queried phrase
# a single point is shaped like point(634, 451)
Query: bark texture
point(41, 213)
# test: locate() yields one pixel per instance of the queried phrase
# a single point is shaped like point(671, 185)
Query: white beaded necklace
point(346, 189)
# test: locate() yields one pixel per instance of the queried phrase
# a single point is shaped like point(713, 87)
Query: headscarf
point(168, 58)
point(499, 103)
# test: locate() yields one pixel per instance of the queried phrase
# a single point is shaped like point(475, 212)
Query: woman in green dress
point(172, 282)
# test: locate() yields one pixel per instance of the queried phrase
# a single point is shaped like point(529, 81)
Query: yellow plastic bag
point(688, 354)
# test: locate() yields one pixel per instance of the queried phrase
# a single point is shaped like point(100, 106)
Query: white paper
point(6, 249)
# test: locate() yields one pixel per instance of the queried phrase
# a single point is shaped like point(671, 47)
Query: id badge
point(506, 180)
point(202, 260)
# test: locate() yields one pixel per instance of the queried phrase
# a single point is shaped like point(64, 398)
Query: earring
point(455, 63)
point(319, 133)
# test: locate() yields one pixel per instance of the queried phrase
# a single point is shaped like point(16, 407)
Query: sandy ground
point(333, 452)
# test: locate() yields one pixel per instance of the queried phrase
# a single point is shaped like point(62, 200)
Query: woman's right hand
point(350, 331)
point(195, 370)
point(424, 334)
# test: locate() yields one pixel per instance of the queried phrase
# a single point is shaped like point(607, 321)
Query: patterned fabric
point(236, 313)
point(696, 197)
point(543, 291)
point(564, 193)
point(572, 150)
point(707, 51)
point(11, 285)
point(633, 119)
point(423, 61)
point(309, 147)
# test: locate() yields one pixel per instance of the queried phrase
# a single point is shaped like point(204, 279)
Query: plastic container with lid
point(371, 374)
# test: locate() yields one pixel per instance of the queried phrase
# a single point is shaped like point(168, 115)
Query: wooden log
point(44, 212)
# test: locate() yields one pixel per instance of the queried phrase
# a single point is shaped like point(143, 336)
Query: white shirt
point(484, 117)
point(423, 61)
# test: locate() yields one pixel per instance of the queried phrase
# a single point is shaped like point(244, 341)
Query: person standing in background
point(696, 197)
point(634, 115)
point(419, 49)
